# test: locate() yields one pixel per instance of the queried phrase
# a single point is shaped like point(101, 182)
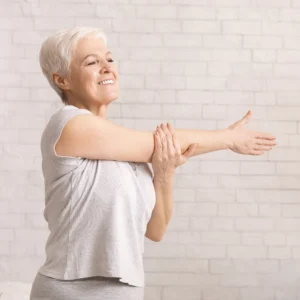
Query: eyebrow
point(93, 54)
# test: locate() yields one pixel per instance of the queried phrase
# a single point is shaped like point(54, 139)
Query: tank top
point(97, 211)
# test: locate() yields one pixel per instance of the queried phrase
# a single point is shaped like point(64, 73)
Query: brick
point(224, 224)
point(280, 29)
point(239, 280)
point(179, 292)
point(179, 39)
point(247, 252)
point(132, 25)
point(263, 42)
point(166, 250)
point(179, 111)
point(258, 168)
point(140, 39)
point(242, 27)
point(254, 224)
point(156, 11)
point(291, 42)
point(264, 56)
point(165, 82)
point(267, 13)
point(280, 252)
point(227, 13)
point(196, 12)
point(288, 56)
point(196, 209)
point(259, 293)
point(116, 11)
point(205, 83)
point(270, 210)
point(63, 10)
point(201, 26)
point(290, 210)
point(205, 251)
point(290, 15)
point(219, 69)
point(237, 210)
point(140, 110)
point(169, 26)
point(53, 23)
point(220, 238)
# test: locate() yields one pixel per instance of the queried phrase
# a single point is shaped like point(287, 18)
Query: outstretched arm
point(236, 138)
point(207, 140)
point(92, 137)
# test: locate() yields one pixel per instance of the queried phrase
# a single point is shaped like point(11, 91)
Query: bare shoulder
point(92, 137)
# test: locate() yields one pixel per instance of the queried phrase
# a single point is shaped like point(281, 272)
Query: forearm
point(163, 208)
point(208, 140)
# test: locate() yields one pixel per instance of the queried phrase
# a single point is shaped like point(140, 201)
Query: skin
point(167, 155)
point(83, 91)
point(81, 87)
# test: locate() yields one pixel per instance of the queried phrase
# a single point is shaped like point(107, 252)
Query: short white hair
point(57, 50)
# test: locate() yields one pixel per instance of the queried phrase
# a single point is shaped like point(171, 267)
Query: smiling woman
point(79, 64)
point(98, 208)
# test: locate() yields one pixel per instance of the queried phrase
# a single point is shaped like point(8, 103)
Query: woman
point(101, 197)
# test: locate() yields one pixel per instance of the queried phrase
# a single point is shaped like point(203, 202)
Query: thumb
point(190, 150)
point(246, 118)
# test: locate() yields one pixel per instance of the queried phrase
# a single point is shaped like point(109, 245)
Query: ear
point(60, 81)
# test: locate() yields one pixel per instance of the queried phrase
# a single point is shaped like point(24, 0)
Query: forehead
point(89, 44)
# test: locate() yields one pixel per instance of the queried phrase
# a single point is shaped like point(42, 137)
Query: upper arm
point(92, 137)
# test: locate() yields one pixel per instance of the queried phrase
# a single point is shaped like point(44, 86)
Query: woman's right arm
point(92, 137)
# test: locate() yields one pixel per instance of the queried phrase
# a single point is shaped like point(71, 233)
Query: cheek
point(89, 78)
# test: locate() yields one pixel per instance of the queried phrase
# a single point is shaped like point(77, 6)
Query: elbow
point(158, 239)
point(160, 236)
point(154, 238)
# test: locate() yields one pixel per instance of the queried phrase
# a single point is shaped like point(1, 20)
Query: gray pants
point(92, 288)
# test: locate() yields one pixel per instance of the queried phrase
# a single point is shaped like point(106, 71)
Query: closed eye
point(93, 62)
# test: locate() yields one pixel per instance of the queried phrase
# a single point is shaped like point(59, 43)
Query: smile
point(106, 82)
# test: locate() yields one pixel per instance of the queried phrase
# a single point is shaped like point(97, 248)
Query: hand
point(249, 142)
point(167, 152)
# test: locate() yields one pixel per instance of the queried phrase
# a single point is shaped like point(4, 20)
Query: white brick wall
point(235, 231)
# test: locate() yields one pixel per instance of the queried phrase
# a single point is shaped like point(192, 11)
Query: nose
point(106, 68)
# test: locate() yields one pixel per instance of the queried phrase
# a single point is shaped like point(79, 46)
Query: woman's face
point(91, 64)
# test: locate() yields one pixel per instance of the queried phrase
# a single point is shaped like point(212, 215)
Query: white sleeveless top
point(97, 211)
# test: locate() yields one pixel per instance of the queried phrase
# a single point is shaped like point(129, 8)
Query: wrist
point(163, 179)
point(228, 138)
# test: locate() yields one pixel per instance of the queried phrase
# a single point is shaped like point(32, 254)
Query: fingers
point(174, 139)
point(169, 137)
point(158, 144)
point(256, 152)
point(166, 139)
point(260, 141)
point(264, 136)
point(163, 139)
point(263, 145)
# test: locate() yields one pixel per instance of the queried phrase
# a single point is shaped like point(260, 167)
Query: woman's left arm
point(163, 208)
point(166, 158)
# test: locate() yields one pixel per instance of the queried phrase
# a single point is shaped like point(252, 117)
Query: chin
point(109, 100)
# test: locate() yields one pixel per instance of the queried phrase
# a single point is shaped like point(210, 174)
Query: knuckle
point(172, 153)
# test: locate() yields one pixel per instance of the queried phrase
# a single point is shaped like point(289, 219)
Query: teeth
point(106, 82)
